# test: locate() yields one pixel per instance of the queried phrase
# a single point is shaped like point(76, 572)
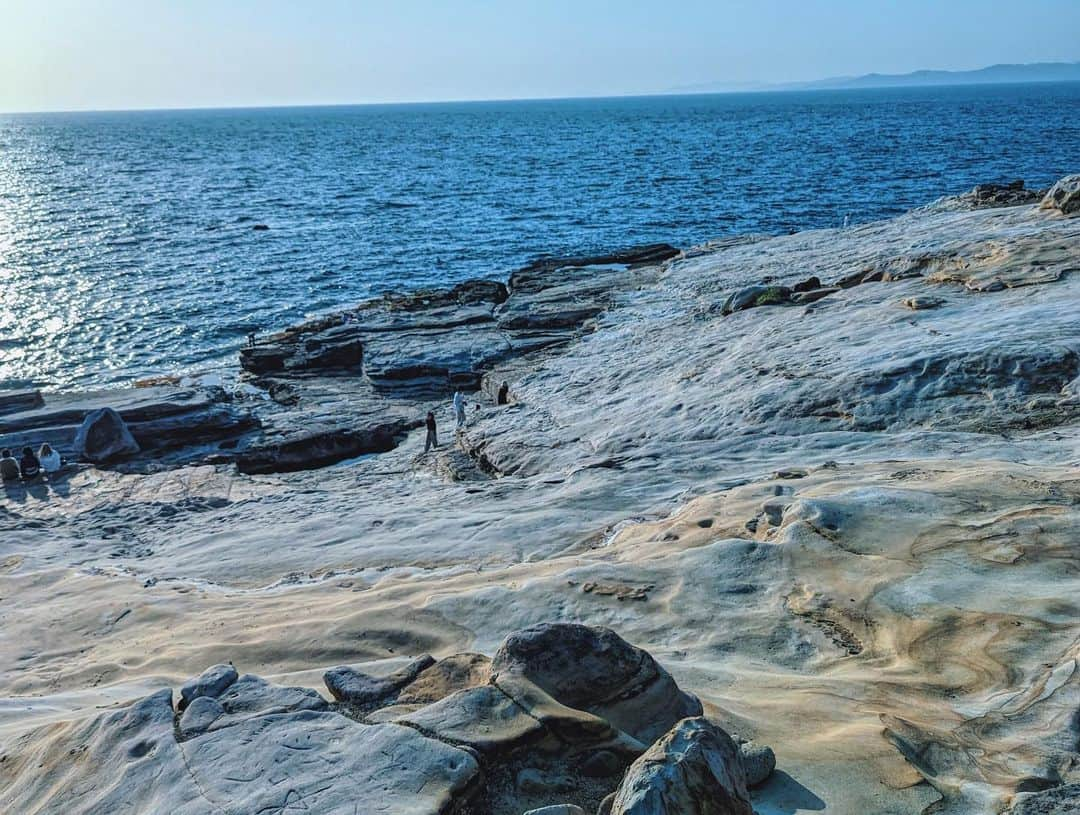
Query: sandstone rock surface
point(905, 607)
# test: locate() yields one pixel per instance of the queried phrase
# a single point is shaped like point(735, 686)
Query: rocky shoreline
point(829, 480)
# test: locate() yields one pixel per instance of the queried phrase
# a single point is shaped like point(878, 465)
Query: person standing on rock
point(459, 408)
point(504, 394)
point(432, 434)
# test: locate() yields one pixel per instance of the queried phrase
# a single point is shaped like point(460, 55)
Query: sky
point(125, 54)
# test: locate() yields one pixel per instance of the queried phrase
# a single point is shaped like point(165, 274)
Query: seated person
point(9, 467)
point(30, 466)
point(50, 459)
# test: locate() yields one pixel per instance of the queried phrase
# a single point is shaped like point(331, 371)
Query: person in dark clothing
point(29, 466)
point(9, 467)
point(432, 434)
point(504, 394)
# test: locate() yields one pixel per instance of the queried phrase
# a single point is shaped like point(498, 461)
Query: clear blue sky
point(100, 54)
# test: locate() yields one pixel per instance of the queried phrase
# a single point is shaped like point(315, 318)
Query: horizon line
point(688, 91)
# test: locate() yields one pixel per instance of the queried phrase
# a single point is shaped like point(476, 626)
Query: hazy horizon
point(64, 55)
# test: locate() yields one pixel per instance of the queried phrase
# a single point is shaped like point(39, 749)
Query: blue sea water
point(127, 246)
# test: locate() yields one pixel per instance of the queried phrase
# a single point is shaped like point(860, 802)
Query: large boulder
point(595, 670)
point(104, 436)
point(1064, 196)
point(693, 770)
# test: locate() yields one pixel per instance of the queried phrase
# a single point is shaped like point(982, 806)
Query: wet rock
point(260, 360)
point(1064, 196)
point(922, 303)
point(428, 363)
point(212, 682)
point(337, 347)
point(606, 805)
point(558, 809)
point(365, 691)
point(593, 669)
point(13, 401)
point(447, 676)
point(695, 769)
point(104, 436)
point(758, 761)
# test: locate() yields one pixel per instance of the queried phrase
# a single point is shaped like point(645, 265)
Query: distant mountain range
point(995, 74)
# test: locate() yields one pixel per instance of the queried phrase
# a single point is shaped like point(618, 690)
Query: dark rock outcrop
point(986, 196)
point(693, 770)
point(12, 401)
point(311, 448)
point(423, 344)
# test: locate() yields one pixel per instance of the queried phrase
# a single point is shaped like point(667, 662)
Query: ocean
point(129, 247)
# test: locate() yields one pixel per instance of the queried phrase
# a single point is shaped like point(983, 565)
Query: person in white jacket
point(459, 408)
point(50, 459)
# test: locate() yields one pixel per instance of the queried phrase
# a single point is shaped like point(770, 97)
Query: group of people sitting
point(45, 462)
